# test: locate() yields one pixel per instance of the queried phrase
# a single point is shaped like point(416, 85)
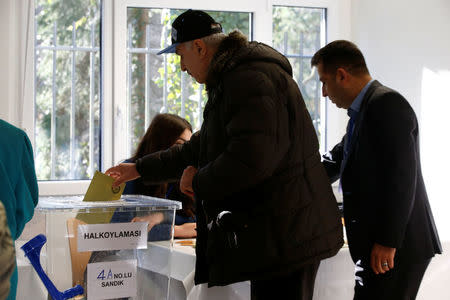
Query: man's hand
point(186, 181)
point(123, 173)
point(382, 258)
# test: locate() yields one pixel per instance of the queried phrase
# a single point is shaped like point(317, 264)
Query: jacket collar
point(362, 113)
point(226, 57)
point(234, 50)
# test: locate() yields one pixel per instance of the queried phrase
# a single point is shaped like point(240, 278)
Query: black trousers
point(400, 283)
point(295, 286)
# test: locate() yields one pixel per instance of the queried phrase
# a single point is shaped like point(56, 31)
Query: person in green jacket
point(18, 187)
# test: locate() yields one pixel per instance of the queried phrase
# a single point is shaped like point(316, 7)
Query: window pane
point(67, 90)
point(155, 82)
point(298, 32)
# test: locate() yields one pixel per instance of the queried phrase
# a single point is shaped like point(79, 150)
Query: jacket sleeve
point(332, 161)
point(253, 117)
point(168, 165)
point(27, 193)
point(394, 131)
point(26, 189)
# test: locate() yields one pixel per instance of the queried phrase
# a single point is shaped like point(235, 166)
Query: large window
point(298, 32)
point(99, 82)
point(67, 88)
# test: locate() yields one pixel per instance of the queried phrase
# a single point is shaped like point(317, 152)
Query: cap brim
point(170, 49)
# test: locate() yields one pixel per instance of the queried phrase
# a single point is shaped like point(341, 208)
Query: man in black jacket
point(265, 209)
point(389, 224)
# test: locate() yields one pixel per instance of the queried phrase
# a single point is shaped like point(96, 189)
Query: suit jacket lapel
point(359, 120)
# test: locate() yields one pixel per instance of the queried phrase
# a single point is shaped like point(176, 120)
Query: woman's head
point(164, 131)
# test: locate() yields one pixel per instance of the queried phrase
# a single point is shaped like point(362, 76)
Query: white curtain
point(17, 60)
point(25, 107)
point(25, 83)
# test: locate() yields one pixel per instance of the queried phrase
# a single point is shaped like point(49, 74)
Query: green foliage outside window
point(297, 34)
point(62, 15)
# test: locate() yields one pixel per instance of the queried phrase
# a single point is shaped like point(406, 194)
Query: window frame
point(77, 187)
point(113, 68)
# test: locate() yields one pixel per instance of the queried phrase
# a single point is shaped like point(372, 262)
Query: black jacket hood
point(234, 50)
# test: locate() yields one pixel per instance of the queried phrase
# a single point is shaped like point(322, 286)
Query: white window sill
point(69, 187)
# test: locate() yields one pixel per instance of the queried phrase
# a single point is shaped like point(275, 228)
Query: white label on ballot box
point(112, 279)
point(113, 236)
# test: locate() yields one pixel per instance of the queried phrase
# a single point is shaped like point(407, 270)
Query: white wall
point(407, 47)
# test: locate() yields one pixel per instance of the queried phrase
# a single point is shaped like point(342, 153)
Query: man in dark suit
point(390, 228)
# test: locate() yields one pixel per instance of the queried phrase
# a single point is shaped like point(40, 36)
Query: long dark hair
point(163, 132)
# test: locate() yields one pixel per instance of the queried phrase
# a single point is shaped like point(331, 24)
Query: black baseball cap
point(191, 25)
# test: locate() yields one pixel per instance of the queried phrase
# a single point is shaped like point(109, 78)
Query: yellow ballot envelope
point(101, 189)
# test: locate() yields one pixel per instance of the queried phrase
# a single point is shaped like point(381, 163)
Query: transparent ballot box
point(103, 246)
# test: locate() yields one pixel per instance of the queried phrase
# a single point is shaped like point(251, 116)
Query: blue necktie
point(352, 114)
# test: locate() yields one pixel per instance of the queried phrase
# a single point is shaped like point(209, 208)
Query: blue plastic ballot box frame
point(63, 219)
point(32, 250)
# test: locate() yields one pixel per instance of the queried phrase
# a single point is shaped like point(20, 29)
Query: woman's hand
point(122, 173)
point(186, 230)
point(152, 219)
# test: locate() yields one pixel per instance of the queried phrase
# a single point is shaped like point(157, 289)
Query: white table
point(182, 277)
point(334, 279)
